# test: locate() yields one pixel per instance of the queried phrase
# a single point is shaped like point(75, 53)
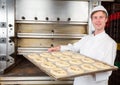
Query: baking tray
point(72, 64)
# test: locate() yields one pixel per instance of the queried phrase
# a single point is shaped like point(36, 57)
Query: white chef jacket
point(100, 47)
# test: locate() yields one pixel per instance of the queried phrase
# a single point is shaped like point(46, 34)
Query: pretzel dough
point(65, 57)
point(33, 55)
point(58, 54)
point(74, 69)
point(62, 63)
point(88, 67)
point(53, 59)
point(40, 59)
point(75, 61)
point(77, 56)
point(58, 72)
point(101, 65)
point(67, 53)
point(87, 60)
point(47, 65)
point(45, 54)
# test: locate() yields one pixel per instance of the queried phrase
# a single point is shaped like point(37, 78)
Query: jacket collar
point(99, 35)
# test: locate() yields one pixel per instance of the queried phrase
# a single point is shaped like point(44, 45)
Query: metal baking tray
point(80, 64)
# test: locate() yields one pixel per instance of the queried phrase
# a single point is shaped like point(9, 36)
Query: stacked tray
point(67, 64)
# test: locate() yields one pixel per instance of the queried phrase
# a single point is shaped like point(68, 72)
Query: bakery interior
point(33, 26)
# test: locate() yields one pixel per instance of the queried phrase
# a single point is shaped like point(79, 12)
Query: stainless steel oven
point(32, 26)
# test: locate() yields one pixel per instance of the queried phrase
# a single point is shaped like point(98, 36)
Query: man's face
point(99, 20)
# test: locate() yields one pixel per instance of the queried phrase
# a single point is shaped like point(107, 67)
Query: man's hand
point(52, 49)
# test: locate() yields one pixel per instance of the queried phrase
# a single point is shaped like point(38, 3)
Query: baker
point(98, 45)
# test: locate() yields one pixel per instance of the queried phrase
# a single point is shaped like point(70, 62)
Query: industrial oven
point(32, 26)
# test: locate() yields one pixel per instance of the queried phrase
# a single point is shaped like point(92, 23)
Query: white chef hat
point(97, 8)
